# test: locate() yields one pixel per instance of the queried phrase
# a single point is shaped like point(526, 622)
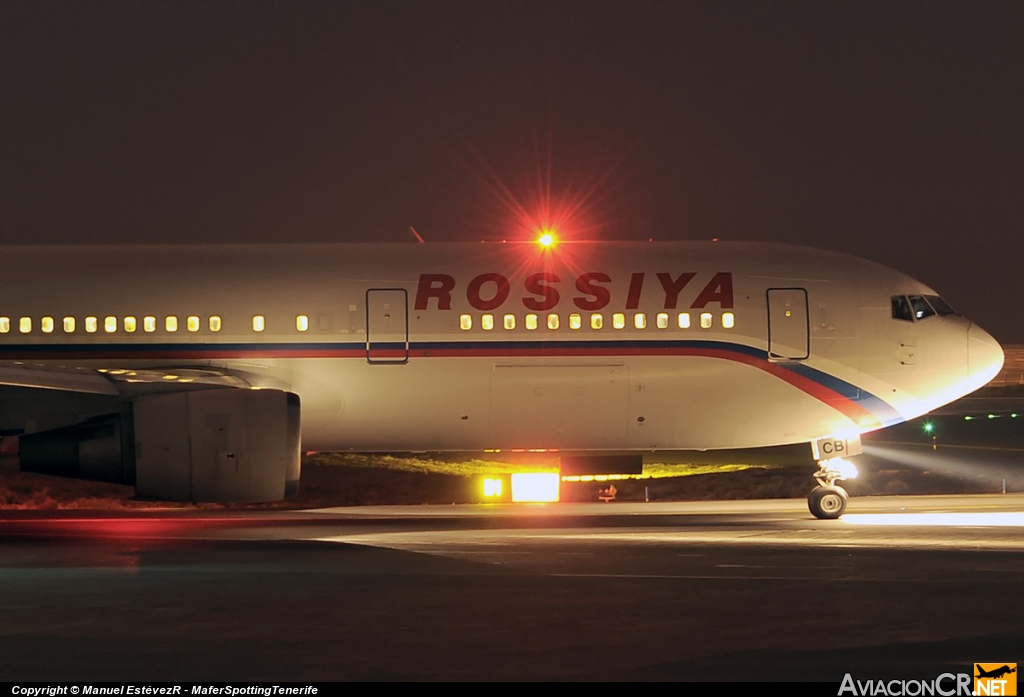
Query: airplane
point(996, 672)
point(201, 373)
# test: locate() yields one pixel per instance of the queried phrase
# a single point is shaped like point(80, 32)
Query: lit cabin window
point(728, 320)
point(215, 323)
point(192, 323)
point(706, 320)
point(662, 320)
point(110, 324)
point(640, 320)
point(575, 321)
point(553, 321)
point(149, 324)
point(25, 325)
point(69, 325)
point(487, 322)
point(302, 323)
point(509, 321)
point(130, 324)
point(46, 324)
point(596, 320)
point(619, 320)
point(259, 323)
point(531, 322)
point(171, 323)
point(91, 324)
point(465, 322)
point(684, 320)
point(5, 325)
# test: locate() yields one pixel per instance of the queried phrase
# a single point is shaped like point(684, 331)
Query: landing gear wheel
point(827, 502)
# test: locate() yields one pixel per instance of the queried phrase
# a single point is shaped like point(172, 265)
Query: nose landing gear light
point(828, 501)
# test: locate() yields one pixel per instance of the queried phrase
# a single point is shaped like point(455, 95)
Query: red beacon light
point(546, 240)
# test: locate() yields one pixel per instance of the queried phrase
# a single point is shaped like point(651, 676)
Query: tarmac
point(900, 587)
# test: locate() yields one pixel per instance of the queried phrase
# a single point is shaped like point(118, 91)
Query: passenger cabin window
point(192, 323)
point(487, 322)
point(130, 324)
point(69, 325)
point(302, 323)
point(91, 324)
point(728, 320)
point(684, 320)
point(662, 320)
point(553, 321)
point(149, 324)
point(575, 321)
point(25, 325)
point(171, 323)
point(531, 322)
point(46, 324)
point(259, 323)
point(5, 325)
point(618, 320)
point(465, 322)
point(596, 321)
point(706, 320)
point(215, 323)
point(509, 322)
point(110, 324)
point(901, 308)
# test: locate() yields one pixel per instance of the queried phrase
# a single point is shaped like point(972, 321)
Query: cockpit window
point(921, 307)
point(940, 305)
point(901, 308)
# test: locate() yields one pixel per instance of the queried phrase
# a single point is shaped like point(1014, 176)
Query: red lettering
point(600, 296)
point(718, 290)
point(636, 284)
point(501, 290)
point(548, 296)
point(672, 288)
point(435, 285)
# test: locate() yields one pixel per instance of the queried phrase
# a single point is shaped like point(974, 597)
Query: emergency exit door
point(387, 325)
point(789, 329)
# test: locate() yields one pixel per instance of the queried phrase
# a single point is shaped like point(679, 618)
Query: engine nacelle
point(206, 445)
point(217, 445)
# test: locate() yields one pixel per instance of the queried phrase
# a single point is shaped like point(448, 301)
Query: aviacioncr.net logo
point(995, 679)
point(945, 685)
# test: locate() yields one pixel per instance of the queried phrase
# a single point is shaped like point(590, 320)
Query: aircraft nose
point(984, 354)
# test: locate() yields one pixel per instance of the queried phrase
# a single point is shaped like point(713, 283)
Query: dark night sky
point(890, 130)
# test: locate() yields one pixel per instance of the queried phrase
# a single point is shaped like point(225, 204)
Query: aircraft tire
point(827, 502)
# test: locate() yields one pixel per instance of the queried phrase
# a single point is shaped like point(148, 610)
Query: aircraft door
point(789, 335)
point(387, 325)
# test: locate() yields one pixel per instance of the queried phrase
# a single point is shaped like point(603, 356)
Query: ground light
point(535, 487)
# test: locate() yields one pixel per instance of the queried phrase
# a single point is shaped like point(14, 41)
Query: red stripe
point(852, 410)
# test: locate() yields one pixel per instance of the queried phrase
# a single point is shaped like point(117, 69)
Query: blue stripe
point(877, 406)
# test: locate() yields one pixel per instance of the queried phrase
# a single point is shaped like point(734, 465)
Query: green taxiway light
point(968, 418)
point(929, 427)
point(992, 416)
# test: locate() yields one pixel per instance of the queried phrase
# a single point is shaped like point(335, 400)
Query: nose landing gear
point(828, 501)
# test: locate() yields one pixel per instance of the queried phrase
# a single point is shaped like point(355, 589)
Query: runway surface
point(901, 587)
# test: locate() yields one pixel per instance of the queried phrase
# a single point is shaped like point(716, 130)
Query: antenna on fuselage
point(416, 235)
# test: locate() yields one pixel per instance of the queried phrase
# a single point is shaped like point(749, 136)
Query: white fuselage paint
point(571, 389)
